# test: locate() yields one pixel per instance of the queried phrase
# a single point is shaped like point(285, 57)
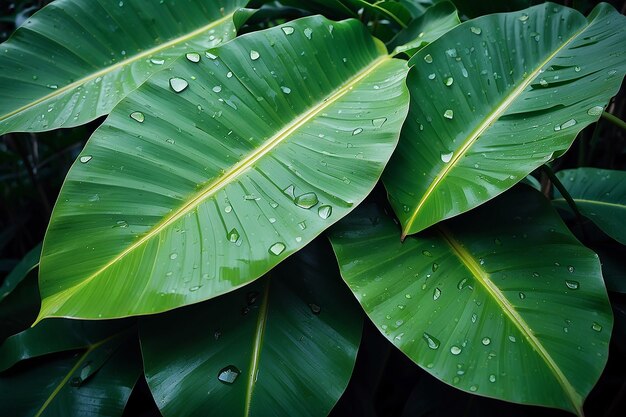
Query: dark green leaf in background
point(284, 345)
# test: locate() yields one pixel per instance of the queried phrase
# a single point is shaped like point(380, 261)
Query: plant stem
point(566, 195)
point(615, 120)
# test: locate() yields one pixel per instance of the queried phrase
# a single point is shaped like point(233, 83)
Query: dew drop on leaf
point(357, 131)
point(428, 59)
point(193, 57)
point(325, 211)
point(379, 122)
point(217, 89)
point(277, 248)
point(137, 116)
point(84, 159)
point(446, 156)
point(596, 327)
point(157, 61)
point(455, 350)
point(448, 114)
point(228, 375)
point(431, 341)
point(308, 32)
point(436, 294)
point(254, 55)
point(476, 30)
point(233, 235)
point(315, 309)
point(178, 84)
point(486, 341)
point(306, 201)
point(288, 30)
point(595, 111)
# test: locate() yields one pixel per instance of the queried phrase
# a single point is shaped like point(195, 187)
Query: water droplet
point(577, 68)
point(426, 253)
point(173, 255)
point(595, 111)
point(195, 288)
point(432, 341)
point(596, 327)
point(193, 57)
point(228, 375)
point(448, 114)
point(464, 72)
point(436, 294)
point(178, 84)
point(522, 295)
point(476, 30)
point(84, 159)
point(123, 224)
point(474, 318)
point(233, 235)
point(157, 61)
point(455, 350)
point(569, 123)
point(254, 55)
point(407, 296)
point(315, 309)
point(543, 82)
point(217, 89)
point(451, 53)
point(379, 122)
point(449, 81)
point(302, 225)
point(290, 191)
point(435, 266)
point(486, 341)
point(357, 131)
point(325, 211)
point(306, 201)
point(474, 388)
point(571, 269)
point(286, 90)
point(277, 248)
point(512, 339)
point(462, 283)
point(137, 116)
point(288, 30)
point(308, 32)
point(492, 378)
point(446, 156)
point(210, 55)
point(229, 74)
point(228, 208)
point(523, 17)
point(428, 59)
point(572, 285)
point(432, 76)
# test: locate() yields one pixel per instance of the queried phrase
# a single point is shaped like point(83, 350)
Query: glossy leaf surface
point(180, 197)
point(96, 382)
point(436, 21)
point(503, 302)
point(495, 98)
point(283, 345)
point(73, 61)
point(600, 195)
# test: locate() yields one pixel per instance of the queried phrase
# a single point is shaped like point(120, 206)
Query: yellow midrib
point(61, 384)
point(485, 279)
point(476, 133)
point(227, 178)
point(594, 202)
point(256, 348)
point(121, 64)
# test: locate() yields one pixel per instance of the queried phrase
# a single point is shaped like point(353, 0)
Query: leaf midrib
point(238, 169)
point(507, 308)
point(257, 344)
point(58, 92)
point(486, 124)
point(593, 202)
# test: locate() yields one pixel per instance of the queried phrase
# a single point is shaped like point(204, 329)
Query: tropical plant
point(188, 257)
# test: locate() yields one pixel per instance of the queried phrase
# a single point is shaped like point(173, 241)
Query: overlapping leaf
point(503, 302)
point(284, 345)
point(495, 98)
point(74, 60)
point(213, 172)
point(600, 195)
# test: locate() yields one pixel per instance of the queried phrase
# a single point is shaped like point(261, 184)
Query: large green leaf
point(74, 60)
point(180, 197)
point(502, 302)
point(495, 98)
point(93, 383)
point(284, 345)
point(600, 195)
